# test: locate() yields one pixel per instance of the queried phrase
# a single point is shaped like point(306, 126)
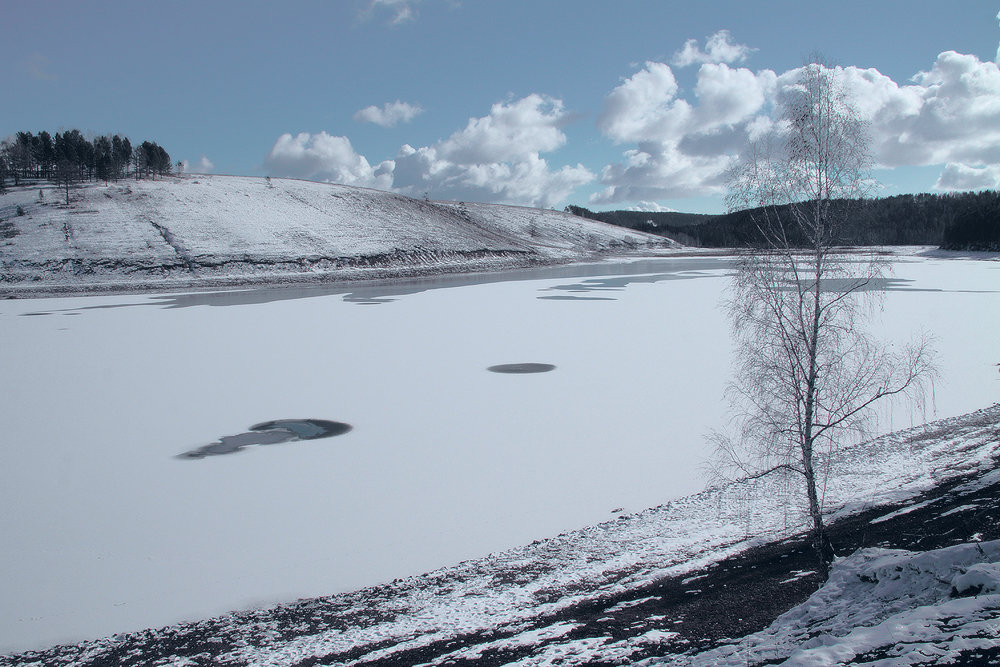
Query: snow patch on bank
point(900, 607)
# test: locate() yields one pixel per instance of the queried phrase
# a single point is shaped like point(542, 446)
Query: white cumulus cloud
point(325, 157)
point(949, 114)
point(202, 166)
point(511, 131)
point(495, 158)
point(959, 118)
point(662, 171)
point(728, 96)
point(718, 49)
point(644, 106)
point(965, 177)
point(683, 148)
point(389, 114)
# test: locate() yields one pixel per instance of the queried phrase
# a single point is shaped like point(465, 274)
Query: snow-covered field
point(105, 530)
point(212, 230)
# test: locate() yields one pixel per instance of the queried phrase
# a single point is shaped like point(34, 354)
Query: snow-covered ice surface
point(107, 531)
point(892, 606)
point(212, 230)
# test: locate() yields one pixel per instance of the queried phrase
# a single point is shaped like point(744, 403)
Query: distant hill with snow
point(225, 230)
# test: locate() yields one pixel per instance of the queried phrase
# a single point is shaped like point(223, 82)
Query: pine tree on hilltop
point(26, 155)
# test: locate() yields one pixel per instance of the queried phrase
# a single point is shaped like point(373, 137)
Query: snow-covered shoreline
point(498, 600)
point(228, 231)
point(346, 277)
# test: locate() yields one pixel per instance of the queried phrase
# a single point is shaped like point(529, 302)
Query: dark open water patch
point(521, 368)
point(270, 433)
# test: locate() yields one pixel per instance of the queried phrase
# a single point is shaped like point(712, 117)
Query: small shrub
point(20, 210)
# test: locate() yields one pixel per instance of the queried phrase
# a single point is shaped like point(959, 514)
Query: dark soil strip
point(182, 252)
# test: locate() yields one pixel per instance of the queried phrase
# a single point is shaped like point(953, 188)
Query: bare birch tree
point(808, 374)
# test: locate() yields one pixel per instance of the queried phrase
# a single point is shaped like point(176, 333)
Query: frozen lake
point(435, 459)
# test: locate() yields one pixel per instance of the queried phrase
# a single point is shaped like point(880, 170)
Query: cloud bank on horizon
point(677, 143)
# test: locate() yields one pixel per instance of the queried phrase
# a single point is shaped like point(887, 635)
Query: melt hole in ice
point(270, 433)
point(521, 368)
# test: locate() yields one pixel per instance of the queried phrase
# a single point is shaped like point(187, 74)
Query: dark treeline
point(977, 227)
point(955, 221)
point(69, 156)
point(642, 219)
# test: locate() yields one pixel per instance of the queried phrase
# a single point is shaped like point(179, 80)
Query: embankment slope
point(230, 230)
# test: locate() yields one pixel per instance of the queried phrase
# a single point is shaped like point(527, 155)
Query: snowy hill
point(234, 230)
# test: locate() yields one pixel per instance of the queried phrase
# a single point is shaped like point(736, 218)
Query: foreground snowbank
point(211, 230)
point(896, 606)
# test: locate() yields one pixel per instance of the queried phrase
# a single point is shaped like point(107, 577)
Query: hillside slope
point(234, 230)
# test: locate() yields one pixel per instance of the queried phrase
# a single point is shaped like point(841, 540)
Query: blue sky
point(601, 104)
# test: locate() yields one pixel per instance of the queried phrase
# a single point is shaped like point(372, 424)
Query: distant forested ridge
point(69, 156)
point(954, 221)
